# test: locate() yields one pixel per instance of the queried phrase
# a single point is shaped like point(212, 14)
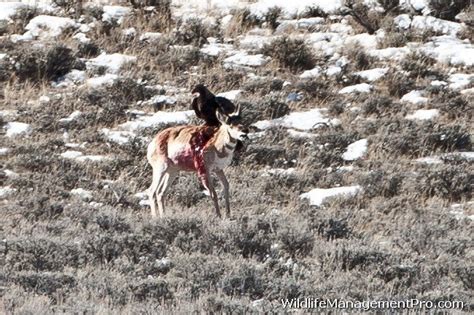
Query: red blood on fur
point(198, 143)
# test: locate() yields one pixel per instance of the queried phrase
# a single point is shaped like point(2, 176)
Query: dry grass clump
point(128, 90)
point(453, 104)
point(263, 86)
point(221, 79)
point(159, 19)
point(271, 17)
point(398, 83)
point(66, 5)
point(380, 106)
point(360, 60)
point(21, 18)
point(366, 17)
point(242, 21)
point(326, 151)
point(178, 59)
point(88, 50)
point(447, 9)
point(293, 54)
point(418, 65)
point(49, 63)
point(269, 107)
point(313, 11)
point(404, 137)
point(382, 183)
point(396, 37)
point(194, 32)
point(315, 89)
point(449, 182)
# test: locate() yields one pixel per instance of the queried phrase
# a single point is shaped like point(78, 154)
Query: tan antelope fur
point(203, 149)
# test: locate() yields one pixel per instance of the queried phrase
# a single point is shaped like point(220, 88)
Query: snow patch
point(114, 13)
point(318, 195)
point(157, 119)
point(254, 42)
point(372, 74)
point(423, 114)
point(4, 151)
point(403, 21)
point(296, 120)
point(415, 97)
point(418, 5)
point(71, 154)
point(429, 160)
point(287, 26)
point(81, 37)
point(244, 59)
point(47, 26)
point(113, 62)
point(459, 210)
point(358, 88)
point(313, 73)
point(160, 99)
point(355, 150)
point(151, 36)
point(469, 156)
point(333, 70)
point(215, 49)
point(80, 157)
point(438, 83)
point(300, 134)
point(85, 195)
point(17, 129)
point(450, 50)
point(460, 80)
point(131, 31)
point(6, 191)
point(118, 136)
point(74, 115)
point(72, 78)
point(8, 114)
point(104, 80)
point(390, 53)
point(365, 40)
point(7, 9)
point(467, 91)
point(279, 171)
point(434, 24)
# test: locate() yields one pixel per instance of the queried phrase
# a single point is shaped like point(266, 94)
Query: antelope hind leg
point(157, 174)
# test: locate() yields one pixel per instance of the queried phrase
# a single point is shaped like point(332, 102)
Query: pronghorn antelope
point(203, 149)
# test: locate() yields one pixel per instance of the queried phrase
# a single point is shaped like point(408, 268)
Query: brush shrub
point(47, 63)
point(293, 54)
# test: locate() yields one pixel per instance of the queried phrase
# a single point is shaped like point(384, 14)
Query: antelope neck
point(231, 140)
point(226, 141)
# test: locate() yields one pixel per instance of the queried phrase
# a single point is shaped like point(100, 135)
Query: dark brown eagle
point(206, 104)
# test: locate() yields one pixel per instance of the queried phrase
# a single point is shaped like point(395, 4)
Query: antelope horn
point(236, 111)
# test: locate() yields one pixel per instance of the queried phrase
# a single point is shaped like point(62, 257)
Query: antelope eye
point(234, 120)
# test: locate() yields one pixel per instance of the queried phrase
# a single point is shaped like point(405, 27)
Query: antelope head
point(232, 124)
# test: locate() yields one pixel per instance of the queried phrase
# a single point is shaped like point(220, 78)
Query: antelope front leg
point(207, 183)
point(220, 174)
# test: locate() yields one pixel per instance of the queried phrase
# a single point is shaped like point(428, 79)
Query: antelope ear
point(221, 117)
